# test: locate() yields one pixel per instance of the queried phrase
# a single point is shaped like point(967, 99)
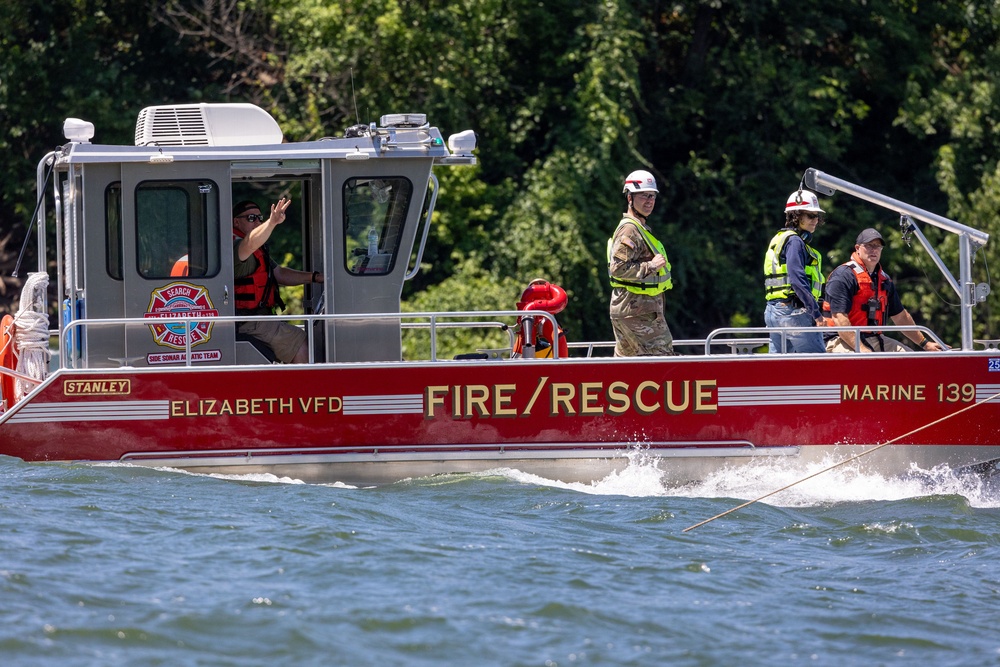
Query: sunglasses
point(253, 217)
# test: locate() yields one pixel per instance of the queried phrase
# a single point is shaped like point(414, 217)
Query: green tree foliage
point(100, 60)
point(954, 105)
point(747, 96)
point(726, 102)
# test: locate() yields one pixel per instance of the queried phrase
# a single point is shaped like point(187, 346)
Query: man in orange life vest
point(860, 293)
point(257, 278)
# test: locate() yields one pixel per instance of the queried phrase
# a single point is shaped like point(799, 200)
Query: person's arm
point(841, 320)
point(286, 276)
point(628, 246)
point(242, 267)
point(795, 259)
point(259, 235)
point(902, 319)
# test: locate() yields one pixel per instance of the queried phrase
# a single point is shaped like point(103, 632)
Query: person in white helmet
point(793, 277)
point(639, 273)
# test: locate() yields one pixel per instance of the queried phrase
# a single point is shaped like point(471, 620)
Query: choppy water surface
point(128, 566)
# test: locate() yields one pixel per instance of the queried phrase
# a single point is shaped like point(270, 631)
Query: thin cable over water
point(837, 465)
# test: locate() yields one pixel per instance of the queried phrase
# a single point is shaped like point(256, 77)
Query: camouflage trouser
point(642, 335)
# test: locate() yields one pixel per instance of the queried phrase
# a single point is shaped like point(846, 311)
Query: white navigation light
point(78, 131)
point(161, 158)
point(462, 143)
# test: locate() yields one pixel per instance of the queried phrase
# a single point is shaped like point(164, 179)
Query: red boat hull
point(570, 419)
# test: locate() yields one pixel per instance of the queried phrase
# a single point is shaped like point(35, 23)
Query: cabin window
point(374, 214)
point(177, 229)
point(113, 229)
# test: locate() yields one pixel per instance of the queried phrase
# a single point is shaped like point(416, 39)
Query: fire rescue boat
point(147, 367)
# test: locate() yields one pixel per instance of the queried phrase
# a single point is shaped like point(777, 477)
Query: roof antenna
point(355, 97)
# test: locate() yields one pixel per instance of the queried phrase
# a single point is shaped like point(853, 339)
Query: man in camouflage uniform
point(639, 274)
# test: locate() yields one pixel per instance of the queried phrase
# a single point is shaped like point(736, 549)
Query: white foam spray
point(849, 483)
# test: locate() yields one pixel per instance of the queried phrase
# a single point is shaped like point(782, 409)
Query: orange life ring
point(8, 358)
point(542, 295)
point(180, 267)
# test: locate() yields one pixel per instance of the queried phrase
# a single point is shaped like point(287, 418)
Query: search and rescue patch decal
point(179, 300)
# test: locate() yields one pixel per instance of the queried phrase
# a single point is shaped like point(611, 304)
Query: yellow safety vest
point(651, 285)
point(776, 283)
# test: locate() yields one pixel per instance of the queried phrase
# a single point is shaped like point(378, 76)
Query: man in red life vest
point(860, 293)
point(257, 278)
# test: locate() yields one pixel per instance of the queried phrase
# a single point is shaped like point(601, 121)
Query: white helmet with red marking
point(640, 181)
point(803, 200)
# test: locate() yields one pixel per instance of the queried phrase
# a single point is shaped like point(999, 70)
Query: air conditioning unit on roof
point(230, 124)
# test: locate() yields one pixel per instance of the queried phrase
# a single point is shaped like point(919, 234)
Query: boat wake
point(850, 483)
point(788, 484)
point(257, 478)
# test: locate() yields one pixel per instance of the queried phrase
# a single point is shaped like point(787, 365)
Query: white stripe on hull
point(83, 411)
point(820, 394)
point(388, 404)
point(985, 392)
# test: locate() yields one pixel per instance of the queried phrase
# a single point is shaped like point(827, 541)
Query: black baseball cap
point(867, 236)
point(243, 207)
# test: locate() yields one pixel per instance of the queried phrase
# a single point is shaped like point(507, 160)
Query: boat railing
point(501, 326)
point(589, 346)
point(739, 340)
point(716, 337)
point(74, 330)
point(748, 340)
point(735, 345)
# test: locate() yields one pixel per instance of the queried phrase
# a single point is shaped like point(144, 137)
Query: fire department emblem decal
point(180, 299)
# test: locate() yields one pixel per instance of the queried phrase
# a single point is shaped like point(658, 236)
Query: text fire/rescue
point(571, 399)
point(485, 401)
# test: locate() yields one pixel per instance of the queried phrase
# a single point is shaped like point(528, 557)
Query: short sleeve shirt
point(246, 267)
point(842, 285)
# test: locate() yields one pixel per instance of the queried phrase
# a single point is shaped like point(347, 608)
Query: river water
point(118, 565)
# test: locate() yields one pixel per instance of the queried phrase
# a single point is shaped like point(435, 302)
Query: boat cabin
point(145, 231)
